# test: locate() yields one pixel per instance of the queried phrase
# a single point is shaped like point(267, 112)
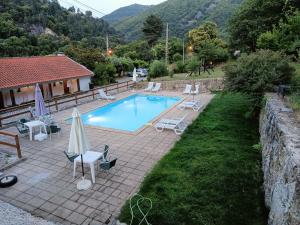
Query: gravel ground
point(10, 215)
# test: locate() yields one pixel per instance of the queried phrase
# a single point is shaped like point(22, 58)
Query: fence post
point(0, 122)
point(118, 87)
point(76, 101)
point(56, 106)
point(127, 85)
point(93, 94)
point(18, 147)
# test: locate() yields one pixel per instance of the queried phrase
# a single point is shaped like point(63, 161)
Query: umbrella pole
point(82, 166)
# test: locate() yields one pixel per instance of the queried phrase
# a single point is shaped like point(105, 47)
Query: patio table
point(35, 123)
point(90, 157)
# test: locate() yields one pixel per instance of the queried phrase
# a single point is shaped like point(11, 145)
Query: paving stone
point(88, 211)
point(81, 209)
point(36, 202)
point(92, 203)
point(40, 213)
point(70, 205)
point(62, 212)
point(77, 218)
point(49, 207)
point(23, 197)
point(57, 200)
point(45, 195)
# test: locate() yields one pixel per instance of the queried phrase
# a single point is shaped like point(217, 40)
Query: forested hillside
point(125, 12)
point(181, 16)
point(38, 27)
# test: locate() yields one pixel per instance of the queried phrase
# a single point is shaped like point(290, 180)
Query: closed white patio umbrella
point(79, 144)
point(134, 75)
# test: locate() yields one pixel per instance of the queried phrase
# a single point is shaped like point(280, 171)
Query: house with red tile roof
point(56, 75)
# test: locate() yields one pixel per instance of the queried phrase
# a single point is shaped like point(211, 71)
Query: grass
point(212, 176)
point(218, 72)
point(294, 97)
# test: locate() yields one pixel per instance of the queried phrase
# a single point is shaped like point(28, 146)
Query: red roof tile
point(23, 71)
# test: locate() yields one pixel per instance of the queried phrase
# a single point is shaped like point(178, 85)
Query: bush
point(268, 40)
point(140, 63)
point(180, 67)
point(258, 73)
point(193, 65)
point(104, 74)
point(171, 73)
point(177, 57)
point(158, 69)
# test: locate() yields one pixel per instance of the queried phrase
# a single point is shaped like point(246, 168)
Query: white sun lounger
point(177, 125)
point(195, 105)
point(187, 90)
point(196, 92)
point(150, 86)
point(103, 95)
point(156, 88)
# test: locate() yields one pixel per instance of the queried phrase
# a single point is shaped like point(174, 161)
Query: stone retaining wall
point(206, 85)
point(280, 138)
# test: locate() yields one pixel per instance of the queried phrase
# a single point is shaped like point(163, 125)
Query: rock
point(281, 162)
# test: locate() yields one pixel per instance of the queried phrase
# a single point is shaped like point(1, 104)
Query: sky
point(105, 6)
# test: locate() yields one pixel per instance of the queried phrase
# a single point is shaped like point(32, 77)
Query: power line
point(96, 10)
point(77, 2)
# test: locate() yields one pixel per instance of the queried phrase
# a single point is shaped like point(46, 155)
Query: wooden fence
point(71, 99)
point(16, 145)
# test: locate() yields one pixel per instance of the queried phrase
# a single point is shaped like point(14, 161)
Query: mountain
point(40, 27)
point(125, 12)
point(181, 16)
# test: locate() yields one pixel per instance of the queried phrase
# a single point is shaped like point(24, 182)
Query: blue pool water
point(129, 114)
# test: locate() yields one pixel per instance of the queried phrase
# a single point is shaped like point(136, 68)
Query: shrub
point(193, 65)
point(268, 40)
point(177, 57)
point(104, 74)
point(158, 69)
point(180, 67)
point(171, 73)
point(258, 73)
point(140, 63)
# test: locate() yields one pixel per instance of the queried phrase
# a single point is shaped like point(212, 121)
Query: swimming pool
point(129, 114)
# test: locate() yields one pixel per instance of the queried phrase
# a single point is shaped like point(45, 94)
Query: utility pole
point(183, 50)
point(107, 47)
point(167, 43)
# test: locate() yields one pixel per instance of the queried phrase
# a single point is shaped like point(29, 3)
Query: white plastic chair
point(195, 105)
point(103, 95)
point(177, 125)
point(196, 92)
point(187, 90)
point(156, 88)
point(150, 86)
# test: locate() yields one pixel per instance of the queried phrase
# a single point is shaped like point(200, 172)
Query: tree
point(158, 69)
point(258, 73)
point(152, 29)
point(104, 73)
point(284, 37)
point(254, 18)
point(85, 56)
point(207, 43)
point(141, 49)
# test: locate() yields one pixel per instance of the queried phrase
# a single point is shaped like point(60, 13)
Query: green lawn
point(217, 72)
point(213, 175)
point(294, 97)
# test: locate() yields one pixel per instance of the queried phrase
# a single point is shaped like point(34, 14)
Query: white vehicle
point(141, 72)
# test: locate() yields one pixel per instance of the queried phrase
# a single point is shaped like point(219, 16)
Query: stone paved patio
point(47, 189)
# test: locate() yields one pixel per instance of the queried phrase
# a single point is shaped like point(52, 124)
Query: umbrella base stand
point(84, 184)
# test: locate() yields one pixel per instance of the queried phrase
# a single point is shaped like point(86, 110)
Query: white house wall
point(85, 83)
